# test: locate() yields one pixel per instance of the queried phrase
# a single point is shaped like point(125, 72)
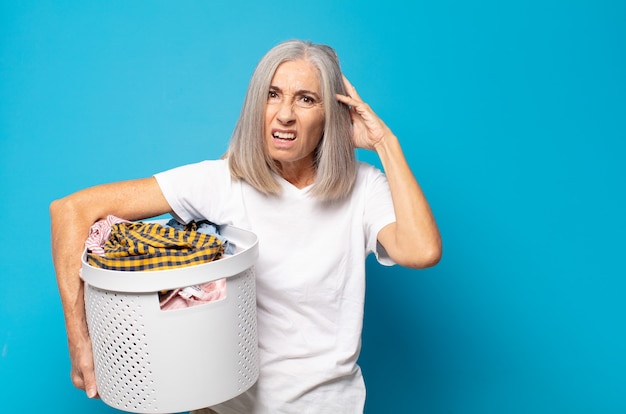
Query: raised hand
point(368, 130)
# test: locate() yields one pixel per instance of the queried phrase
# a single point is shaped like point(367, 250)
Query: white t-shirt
point(310, 279)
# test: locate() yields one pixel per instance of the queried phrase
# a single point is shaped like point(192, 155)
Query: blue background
point(512, 116)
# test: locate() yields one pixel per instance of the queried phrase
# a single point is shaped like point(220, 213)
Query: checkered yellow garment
point(150, 246)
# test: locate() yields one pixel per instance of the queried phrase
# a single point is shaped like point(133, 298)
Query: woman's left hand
point(368, 130)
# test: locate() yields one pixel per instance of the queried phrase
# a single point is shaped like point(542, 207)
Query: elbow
point(57, 207)
point(60, 207)
point(60, 210)
point(422, 258)
point(432, 258)
point(68, 207)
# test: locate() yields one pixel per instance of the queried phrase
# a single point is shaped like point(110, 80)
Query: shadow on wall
point(416, 341)
point(399, 361)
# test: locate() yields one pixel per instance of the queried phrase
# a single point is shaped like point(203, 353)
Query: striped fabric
point(100, 232)
point(150, 246)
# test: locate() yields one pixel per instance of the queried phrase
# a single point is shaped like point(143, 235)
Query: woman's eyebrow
point(299, 92)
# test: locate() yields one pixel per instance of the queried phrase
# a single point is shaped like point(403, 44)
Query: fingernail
point(91, 393)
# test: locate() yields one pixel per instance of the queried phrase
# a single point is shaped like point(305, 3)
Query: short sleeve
point(378, 210)
point(193, 191)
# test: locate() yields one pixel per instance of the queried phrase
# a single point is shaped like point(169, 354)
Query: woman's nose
point(285, 112)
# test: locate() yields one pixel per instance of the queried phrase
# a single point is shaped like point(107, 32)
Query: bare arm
point(413, 240)
point(71, 217)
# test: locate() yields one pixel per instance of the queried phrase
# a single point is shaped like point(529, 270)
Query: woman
point(290, 176)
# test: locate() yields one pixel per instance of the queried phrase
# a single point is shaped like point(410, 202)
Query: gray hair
point(335, 159)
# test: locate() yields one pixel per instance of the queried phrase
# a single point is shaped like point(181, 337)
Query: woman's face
point(294, 115)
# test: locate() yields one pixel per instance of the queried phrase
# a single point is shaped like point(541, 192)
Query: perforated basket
point(149, 360)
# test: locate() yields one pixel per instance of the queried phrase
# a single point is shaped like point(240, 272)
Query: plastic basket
point(148, 360)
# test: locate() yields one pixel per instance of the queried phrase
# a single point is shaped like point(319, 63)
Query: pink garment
point(194, 295)
point(99, 234)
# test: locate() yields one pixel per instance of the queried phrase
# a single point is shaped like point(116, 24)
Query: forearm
point(416, 240)
point(71, 219)
point(69, 229)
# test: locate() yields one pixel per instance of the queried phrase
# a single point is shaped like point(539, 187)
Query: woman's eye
point(306, 100)
point(272, 95)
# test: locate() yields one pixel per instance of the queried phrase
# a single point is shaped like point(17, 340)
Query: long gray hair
point(335, 159)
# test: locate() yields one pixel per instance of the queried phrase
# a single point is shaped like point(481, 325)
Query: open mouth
point(286, 136)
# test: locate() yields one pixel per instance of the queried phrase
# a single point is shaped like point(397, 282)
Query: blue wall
point(512, 115)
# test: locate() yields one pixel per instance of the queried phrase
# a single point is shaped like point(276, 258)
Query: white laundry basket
point(149, 360)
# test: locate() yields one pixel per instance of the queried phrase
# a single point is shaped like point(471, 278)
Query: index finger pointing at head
point(350, 88)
